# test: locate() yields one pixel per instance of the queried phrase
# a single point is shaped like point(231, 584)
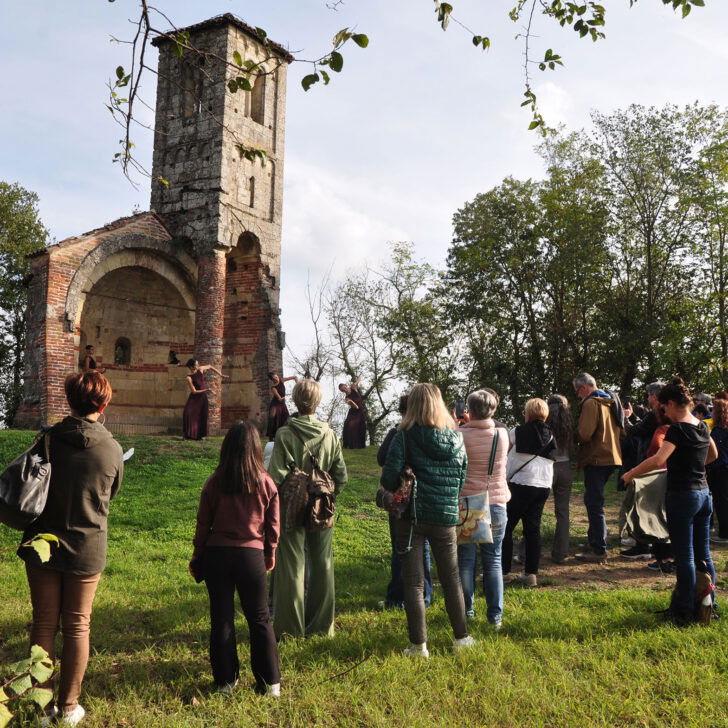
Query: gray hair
point(584, 379)
point(481, 404)
point(703, 398)
point(654, 388)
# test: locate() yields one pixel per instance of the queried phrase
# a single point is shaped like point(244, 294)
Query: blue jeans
point(688, 523)
point(595, 478)
point(395, 588)
point(490, 554)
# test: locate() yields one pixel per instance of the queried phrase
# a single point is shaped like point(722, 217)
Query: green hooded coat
point(439, 462)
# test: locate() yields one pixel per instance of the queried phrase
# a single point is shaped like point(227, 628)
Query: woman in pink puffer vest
point(479, 435)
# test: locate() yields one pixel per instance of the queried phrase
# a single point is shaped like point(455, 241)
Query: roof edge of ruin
point(225, 18)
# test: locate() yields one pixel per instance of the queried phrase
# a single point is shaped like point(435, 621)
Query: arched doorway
point(134, 317)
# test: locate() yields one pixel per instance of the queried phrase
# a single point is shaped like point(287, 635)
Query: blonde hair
point(536, 409)
point(307, 396)
point(426, 407)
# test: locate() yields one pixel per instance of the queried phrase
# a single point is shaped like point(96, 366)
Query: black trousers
point(526, 504)
point(718, 484)
point(227, 570)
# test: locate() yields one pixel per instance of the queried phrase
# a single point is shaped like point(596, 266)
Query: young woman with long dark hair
point(235, 544)
point(561, 424)
point(687, 449)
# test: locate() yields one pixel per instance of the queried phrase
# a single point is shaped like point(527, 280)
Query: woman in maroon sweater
point(235, 543)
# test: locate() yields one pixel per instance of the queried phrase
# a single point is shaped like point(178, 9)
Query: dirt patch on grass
point(617, 571)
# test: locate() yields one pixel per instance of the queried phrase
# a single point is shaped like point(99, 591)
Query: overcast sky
point(416, 125)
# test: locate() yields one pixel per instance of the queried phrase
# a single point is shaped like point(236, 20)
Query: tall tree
point(21, 233)
point(648, 156)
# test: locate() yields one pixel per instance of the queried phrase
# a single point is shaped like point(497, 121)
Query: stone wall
point(215, 198)
point(149, 313)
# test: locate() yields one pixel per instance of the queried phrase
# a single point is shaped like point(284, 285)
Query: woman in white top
point(530, 472)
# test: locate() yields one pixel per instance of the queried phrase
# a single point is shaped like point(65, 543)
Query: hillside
point(590, 654)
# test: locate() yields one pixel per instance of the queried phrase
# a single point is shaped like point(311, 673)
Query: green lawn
point(566, 657)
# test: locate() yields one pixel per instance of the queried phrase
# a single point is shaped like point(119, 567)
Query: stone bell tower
point(222, 208)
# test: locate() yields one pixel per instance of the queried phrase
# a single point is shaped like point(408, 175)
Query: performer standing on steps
point(194, 419)
point(277, 410)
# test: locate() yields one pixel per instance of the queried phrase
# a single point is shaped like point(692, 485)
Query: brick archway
point(125, 251)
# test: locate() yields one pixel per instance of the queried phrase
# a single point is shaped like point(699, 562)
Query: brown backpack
point(309, 498)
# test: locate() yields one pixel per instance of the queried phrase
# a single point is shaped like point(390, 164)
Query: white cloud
point(555, 103)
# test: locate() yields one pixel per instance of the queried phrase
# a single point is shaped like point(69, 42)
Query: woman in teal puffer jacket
point(429, 444)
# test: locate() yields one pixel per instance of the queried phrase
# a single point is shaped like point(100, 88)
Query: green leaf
point(120, 72)
point(261, 34)
point(42, 548)
point(341, 37)
point(237, 58)
point(336, 61)
point(40, 696)
point(41, 671)
point(686, 10)
point(325, 77)
point(232, 85)
point(20, 667)
point(21, 684)
point(37, 653)
point(3, 696)
point(308, 81)
point(5, 715)
point(535, 123)
point(360, 39)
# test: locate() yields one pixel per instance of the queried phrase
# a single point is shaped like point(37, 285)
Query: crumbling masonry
point(198, 275)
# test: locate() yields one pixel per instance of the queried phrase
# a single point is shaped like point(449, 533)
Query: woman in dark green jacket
point(87, 469)
point(429, 444)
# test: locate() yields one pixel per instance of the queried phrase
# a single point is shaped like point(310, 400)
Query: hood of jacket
point(80, 432)
point(309, 427)
point(438, 445)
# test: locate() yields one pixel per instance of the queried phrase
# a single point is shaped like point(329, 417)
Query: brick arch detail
point(123, 251)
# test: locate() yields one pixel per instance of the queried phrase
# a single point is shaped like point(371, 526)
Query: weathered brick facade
point(199, 275)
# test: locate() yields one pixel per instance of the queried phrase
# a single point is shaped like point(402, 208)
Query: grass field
point(568, 656)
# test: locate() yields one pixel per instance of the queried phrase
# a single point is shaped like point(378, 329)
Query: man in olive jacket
point(598, 432)
point(314, 615)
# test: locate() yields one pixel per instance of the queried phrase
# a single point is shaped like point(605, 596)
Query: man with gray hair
point(601, 422)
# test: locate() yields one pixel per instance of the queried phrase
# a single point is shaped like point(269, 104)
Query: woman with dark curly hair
point(687, 449)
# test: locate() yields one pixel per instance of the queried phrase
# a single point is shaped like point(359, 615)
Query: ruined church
point(196, 276)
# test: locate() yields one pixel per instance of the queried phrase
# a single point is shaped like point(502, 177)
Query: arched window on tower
point(191, 83)
point(257, 100)
point(122, 351)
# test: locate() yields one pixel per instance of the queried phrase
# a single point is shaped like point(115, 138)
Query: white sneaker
point(274, 690)
point(463, 642)
point(73, 717)
point(528, 579)
point(718, 539)
point(497, 625)
point(628, 541)
point(416, 651)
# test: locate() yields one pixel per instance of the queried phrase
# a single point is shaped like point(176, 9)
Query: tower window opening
point(257, 100)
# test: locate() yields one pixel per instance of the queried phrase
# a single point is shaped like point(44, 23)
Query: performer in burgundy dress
point(194, 419)
point(355, 425)
point(277, 410)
